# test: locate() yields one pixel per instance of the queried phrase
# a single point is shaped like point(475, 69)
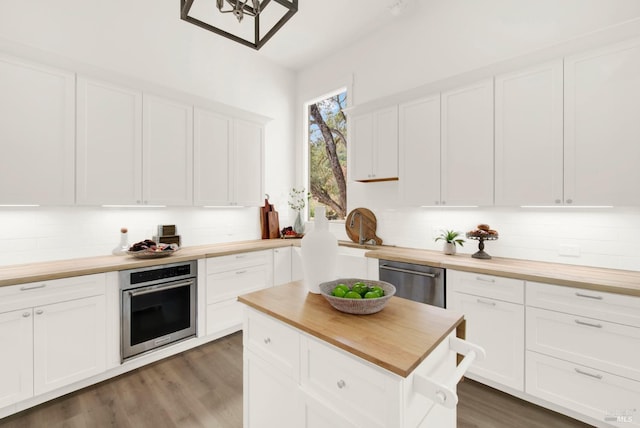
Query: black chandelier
point(240, 9)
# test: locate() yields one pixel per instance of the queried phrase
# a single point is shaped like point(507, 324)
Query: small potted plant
point(451, 238)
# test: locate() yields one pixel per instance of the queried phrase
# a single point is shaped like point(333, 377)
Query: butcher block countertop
point(398, 338)
point(46, 271)
point(591, 278)
point(599, 279)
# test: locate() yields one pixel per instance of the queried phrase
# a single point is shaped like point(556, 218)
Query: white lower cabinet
point(16, 358)
point(292, 379)
point(600, 395)
point(59, 339)
point(282, 269)
point(227, 278)
point(494, 322)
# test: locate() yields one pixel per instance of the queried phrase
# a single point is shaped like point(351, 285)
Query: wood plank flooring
point(203, 388)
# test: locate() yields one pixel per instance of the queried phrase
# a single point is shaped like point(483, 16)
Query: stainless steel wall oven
point(158, 306)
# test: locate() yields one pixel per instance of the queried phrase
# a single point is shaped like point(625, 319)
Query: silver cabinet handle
point(588, 324)
point(26, 314)
point(596, 376)
point(412, 272)
point(479, 278)
point(240, 272)
point(240, 256)
point(341, 384)
point(587, 296)
point(267, 340)
point(32, 287)
point(486, 302)
point(39, 312)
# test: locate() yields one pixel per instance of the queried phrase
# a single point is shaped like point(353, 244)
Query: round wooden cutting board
point(368, 227)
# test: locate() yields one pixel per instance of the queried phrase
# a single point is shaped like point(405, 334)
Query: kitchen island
point(307, 364)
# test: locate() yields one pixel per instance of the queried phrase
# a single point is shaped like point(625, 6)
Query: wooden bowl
point(357, 306)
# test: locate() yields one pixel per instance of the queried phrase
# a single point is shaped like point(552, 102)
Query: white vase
point(449, 248)
point(298, 226)
point(319, 253)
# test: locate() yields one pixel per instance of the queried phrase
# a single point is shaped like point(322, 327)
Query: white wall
point(146, 41)
point(437, 39)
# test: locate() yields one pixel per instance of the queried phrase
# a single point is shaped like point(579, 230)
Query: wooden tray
point(368, 228)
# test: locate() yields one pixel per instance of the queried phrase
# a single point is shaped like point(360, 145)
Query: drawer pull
point(39, 312)
point(26, 314)
point(241, 256)
point(596, 376)
point(240, 272)
point(588, 324)
point(485, 302)
point(32, 287)
point(341, 384)
point(588, 296)
point(267, 340)
point(491, 280)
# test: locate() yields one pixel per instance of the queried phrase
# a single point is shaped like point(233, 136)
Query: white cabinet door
point(16, 358)
point(167, 152)
point(529, 136)
point(282, 265)
point(248, 163)
point(419, 146)
point(228, 160)
point(69, 342)
point(212, 136)
point(109, 144)
point(467, 145)
point(271, 399)
point(37, 137)
point(374, 142)
point(361, 156)
point(497, 327)
point(602, 130)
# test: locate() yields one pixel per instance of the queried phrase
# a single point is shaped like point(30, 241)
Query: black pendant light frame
point(291, 6)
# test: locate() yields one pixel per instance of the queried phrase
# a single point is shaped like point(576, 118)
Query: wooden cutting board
point(368, 227)
point(264, 220)
point(274, 224)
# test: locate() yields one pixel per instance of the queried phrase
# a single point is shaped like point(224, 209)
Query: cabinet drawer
point(342, 380)
point(612, 307)
point(600, 395)
point(226, 285)
point(603, 345)
point(495, 287)
point(274, 341)
point(224, 315)
point(32, 294)
point(238, 261)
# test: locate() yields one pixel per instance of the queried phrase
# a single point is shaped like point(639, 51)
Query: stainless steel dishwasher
point(420, 283)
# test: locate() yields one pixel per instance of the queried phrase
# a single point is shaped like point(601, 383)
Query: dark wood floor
point(203, 388)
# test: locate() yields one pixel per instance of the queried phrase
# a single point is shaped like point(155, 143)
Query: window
point(327, 130)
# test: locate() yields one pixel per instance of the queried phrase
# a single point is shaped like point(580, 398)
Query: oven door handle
point(412, 272)
point(160, 288)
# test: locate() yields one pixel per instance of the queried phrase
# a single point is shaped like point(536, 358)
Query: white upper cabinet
point(109, 144)
point(528, 136)
point(228, 160)
point(602, 130)
point(167, 157)
point(374, 142)
point(37, 116)
point(467, 145)
point(420, 151)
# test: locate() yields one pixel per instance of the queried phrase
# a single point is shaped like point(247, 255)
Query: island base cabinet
point(602, 396)
point(271, 398)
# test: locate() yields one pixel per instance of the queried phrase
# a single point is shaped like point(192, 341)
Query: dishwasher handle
point(412, 272)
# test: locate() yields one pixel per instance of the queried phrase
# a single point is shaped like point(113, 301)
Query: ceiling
point(320, 26)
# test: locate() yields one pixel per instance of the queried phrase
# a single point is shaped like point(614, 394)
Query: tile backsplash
point(592, 237)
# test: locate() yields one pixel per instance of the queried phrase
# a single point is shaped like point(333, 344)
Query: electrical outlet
point(569, 250)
